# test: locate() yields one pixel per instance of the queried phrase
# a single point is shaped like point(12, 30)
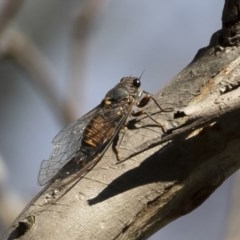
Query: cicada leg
point(117, 143)
point(143, 102)
point(132, 123)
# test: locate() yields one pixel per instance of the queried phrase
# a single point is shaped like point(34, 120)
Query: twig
point(8, 10)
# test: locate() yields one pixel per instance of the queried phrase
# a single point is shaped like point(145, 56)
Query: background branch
point(8, 10)
point(9, 206)
point(84, 22)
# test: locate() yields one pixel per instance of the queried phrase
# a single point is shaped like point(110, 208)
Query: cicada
point(79, 146)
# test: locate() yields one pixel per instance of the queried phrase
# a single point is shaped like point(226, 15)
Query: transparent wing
point(65, 145)
point(68, 141)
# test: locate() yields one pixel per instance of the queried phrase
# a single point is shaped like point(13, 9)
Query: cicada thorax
point(115, 108)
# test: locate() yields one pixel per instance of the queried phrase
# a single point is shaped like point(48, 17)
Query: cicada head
point(127, 90)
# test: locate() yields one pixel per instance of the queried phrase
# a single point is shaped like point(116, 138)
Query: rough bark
point(135, 198)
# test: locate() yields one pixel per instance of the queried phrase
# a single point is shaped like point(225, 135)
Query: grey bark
point(200, 149)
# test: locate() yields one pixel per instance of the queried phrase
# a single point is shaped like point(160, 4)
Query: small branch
point(8, 10)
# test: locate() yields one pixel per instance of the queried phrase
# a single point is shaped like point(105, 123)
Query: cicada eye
point(136, 82)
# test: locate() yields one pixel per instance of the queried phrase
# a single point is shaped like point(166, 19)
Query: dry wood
point(135, 198)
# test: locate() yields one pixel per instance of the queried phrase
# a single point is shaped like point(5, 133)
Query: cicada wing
point(45, 174)
point(65, 145)
point(68, 141)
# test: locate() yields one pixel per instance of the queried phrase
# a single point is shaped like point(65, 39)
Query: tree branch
point(135, 198)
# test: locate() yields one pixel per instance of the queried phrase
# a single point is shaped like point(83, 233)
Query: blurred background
point(58, 59)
